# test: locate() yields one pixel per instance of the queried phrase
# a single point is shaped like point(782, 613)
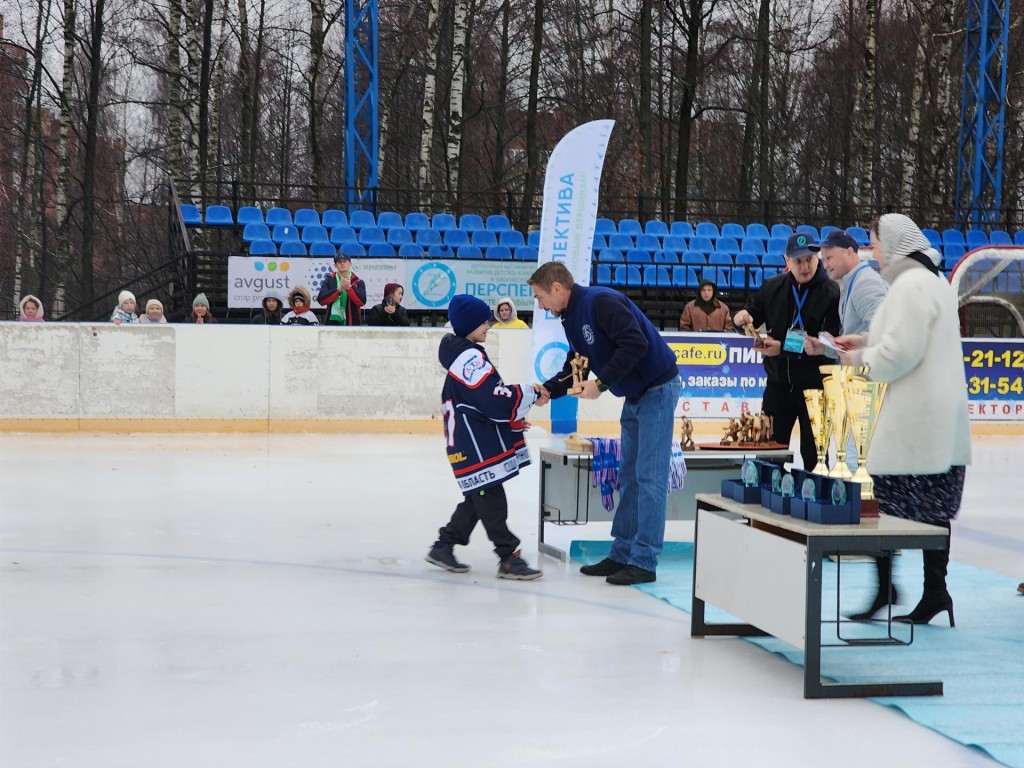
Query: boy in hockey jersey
point(484, 424)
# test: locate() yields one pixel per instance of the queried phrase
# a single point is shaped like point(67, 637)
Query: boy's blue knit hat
point(467, 313)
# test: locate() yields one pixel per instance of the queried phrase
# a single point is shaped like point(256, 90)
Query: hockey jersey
point(483, 417)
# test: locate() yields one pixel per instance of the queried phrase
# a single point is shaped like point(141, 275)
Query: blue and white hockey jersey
point(482, 417)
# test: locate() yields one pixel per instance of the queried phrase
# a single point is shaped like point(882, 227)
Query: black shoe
point(515, 568)
point(443, 557)
point(632, 575)
point(880, 602)
point(926, 610)
point(605, 568)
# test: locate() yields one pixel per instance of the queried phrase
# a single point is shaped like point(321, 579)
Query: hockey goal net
point(989, 282)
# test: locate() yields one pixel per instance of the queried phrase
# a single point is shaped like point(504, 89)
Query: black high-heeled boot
point(935, 599)
point(883, 597)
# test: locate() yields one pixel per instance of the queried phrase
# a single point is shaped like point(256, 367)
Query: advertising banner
point(722, 374)
point(994, 369)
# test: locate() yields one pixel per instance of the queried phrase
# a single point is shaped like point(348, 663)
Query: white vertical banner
point(568, 217)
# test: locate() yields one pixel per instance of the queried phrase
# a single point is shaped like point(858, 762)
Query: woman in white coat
point(922, 441)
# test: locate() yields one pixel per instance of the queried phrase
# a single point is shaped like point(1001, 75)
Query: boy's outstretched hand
point(543, 396)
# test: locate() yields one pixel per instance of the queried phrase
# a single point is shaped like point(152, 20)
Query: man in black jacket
point(800, 302)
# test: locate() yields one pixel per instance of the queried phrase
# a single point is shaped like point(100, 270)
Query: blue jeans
point(638, 528)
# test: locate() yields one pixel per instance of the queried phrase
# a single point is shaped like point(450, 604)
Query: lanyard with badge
point(849, 290)
point(797, 334)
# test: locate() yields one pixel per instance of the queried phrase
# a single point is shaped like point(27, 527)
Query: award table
point(568, 496)
point(766, 569)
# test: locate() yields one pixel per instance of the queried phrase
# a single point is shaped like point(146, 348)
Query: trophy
point(835, 377)
point(580, 370)
point(686, 436)
point(821, 426)
point(863, 402)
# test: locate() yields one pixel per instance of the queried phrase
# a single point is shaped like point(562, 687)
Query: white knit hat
point(123, 296)
point(899, 236)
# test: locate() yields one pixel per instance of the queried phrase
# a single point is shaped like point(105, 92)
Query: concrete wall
point(232, 377)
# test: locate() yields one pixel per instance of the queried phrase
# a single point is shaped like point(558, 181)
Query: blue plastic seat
point(343, 234)
point(471, 222)
point(511, 238)
point(262, 248)
point(953, 253)
point(314, 233)
point(782, 230)
point(533, 239)
point(630, 227)
point(428, 237)
point(611, 255)
point(721, 259)
point(469, 252)
point(637, 256)
point(360, 219)
point(751, 277)
point(334, 218)
point(219, 216)
point(648, 243)
point(381, 251)
point(440, 252)
point(657, 228)
point(278, 216)
point(727, 245)
point(416, 221)
point(306, 217)
point(352, 249)
point(702, 244)
point(1000, 237)
point(499, 252)
point(442, 222)
point(370, 235)
point(388, 220)
point(826, 230)
point(255, 231)
point(694, 257)
point(455, 238)
point(604, 274)
point(285, 233)
point(620, 242)
point(293, 248)
point(605, 227)
point(707, 229)
point(776, 260)
point(664, 277)
point(399, 236)
point(410, 251)
point(598, 244)
point(859, 234)
point(1018, 237)
point(498, 222)
point(681, 229)
point(776, 247)
point(953, 237)
point(666, 257)
point(249, 214)
point(322, 249)
point(483, 238)
point(679, 277)
point(650, 276)
point(976, 238)
point(808, 230)
point(756, 245)
point(525, 253)
point(674, 243)
point(733, 230)
point(933, 237)
point(634, 278)
point(760, 231)
point(190, 215)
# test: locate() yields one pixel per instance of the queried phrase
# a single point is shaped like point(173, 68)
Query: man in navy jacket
point(629, 357)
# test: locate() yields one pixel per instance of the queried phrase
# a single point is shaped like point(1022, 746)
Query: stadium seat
point(760, 231)
point(249, 214)
point(416, 221)
point(810, 231)
point(511, 238)
point(443, 222)
point(650, 276)
point(1018, 237)
point(293, 248)
point(630, 227)
point(399, 236)
point(707, 229)
point(285, 233)
point(755, 245)
point(388, 220)
point(694, 257)
point(664, 277)
point(525, 253)
point(278, 216)
point(933, 237)
point(701, 243)
point(751, 277)
point(370, 235)
point(605, 227)
point(681, 229)
point(599, 243)
point(754, 273)
point(976, 238)
point(533, 239)
point(859, 234)
point(306, 217)
point(727, 245)
point(951, 254)
point(657, 228)
point(469, 252)
point(343, 234)
point(352, 249)
point(674, 243)
point(470, 222)
point(190, 215)
point(634, 278)
point(455, 238)
point(219, 216)
point(826, 230)
point(604, 274)
point(410, 251)
point(483, 238)
point(776, 247)
point(314, 233)
point(648, 243)
point(637, 256)
point(620, 242)
point(381, 251)
point(262, 248)
point(720, 259)
point(953, 237)
point(611, 255)
point(360, 219)
point(773, 260)
point(666, 257)
point(499, 252)
point(1000, 237)
point(733, 230)
point(440, 252)
point(428, 237)
point(498, 222)
point(679, 277)
point(322, 249)
point(332, 218)
point(255, 231)
point(781, 230)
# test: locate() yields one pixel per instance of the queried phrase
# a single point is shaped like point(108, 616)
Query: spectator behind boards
point(390, 311)
point(201, 310)
point(154, 313)
point(343, 293)
point(124, 312)
point(505, 315)
point(301, 312)
point(706, 312)
point(31, 310)
point(270, 314)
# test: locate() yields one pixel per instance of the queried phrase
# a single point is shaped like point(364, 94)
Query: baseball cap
point(799, 244)
point(837, 238)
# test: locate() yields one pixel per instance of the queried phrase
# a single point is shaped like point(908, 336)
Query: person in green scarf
point(343, 293)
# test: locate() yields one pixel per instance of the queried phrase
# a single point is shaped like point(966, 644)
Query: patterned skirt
point(925, 498)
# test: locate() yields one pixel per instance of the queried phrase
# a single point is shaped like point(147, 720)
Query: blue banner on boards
point(722, 374)
point(994, 369)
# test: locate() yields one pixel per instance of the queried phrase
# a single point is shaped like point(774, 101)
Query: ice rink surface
point(224, 600)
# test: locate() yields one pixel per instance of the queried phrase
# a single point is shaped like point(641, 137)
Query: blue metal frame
point(979, 179)
point(362, 124)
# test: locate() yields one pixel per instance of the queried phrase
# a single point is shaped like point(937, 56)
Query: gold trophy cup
point(864, 400)
point(835, 377)
point(821, 426)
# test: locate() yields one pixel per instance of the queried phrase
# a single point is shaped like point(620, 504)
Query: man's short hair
point(551, 273)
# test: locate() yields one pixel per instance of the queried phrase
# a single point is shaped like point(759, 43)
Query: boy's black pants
point(491, 509)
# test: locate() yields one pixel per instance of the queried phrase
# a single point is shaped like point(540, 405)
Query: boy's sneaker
point(514, 567)
point(444, 557)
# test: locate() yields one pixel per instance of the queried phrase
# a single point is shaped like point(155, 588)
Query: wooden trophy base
point(578, 444)
point(742, 446)
point(869, 508)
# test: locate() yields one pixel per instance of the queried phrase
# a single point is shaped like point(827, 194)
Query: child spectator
point(154, 313)
point(31, 310)
point(505, 315)
point(301, 313)
point(484, 421)
point(201, 310)
point(124, 312)
point(390, 311)
point(270, 314)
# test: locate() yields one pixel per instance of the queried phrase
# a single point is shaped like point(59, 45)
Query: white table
point(766, 570)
